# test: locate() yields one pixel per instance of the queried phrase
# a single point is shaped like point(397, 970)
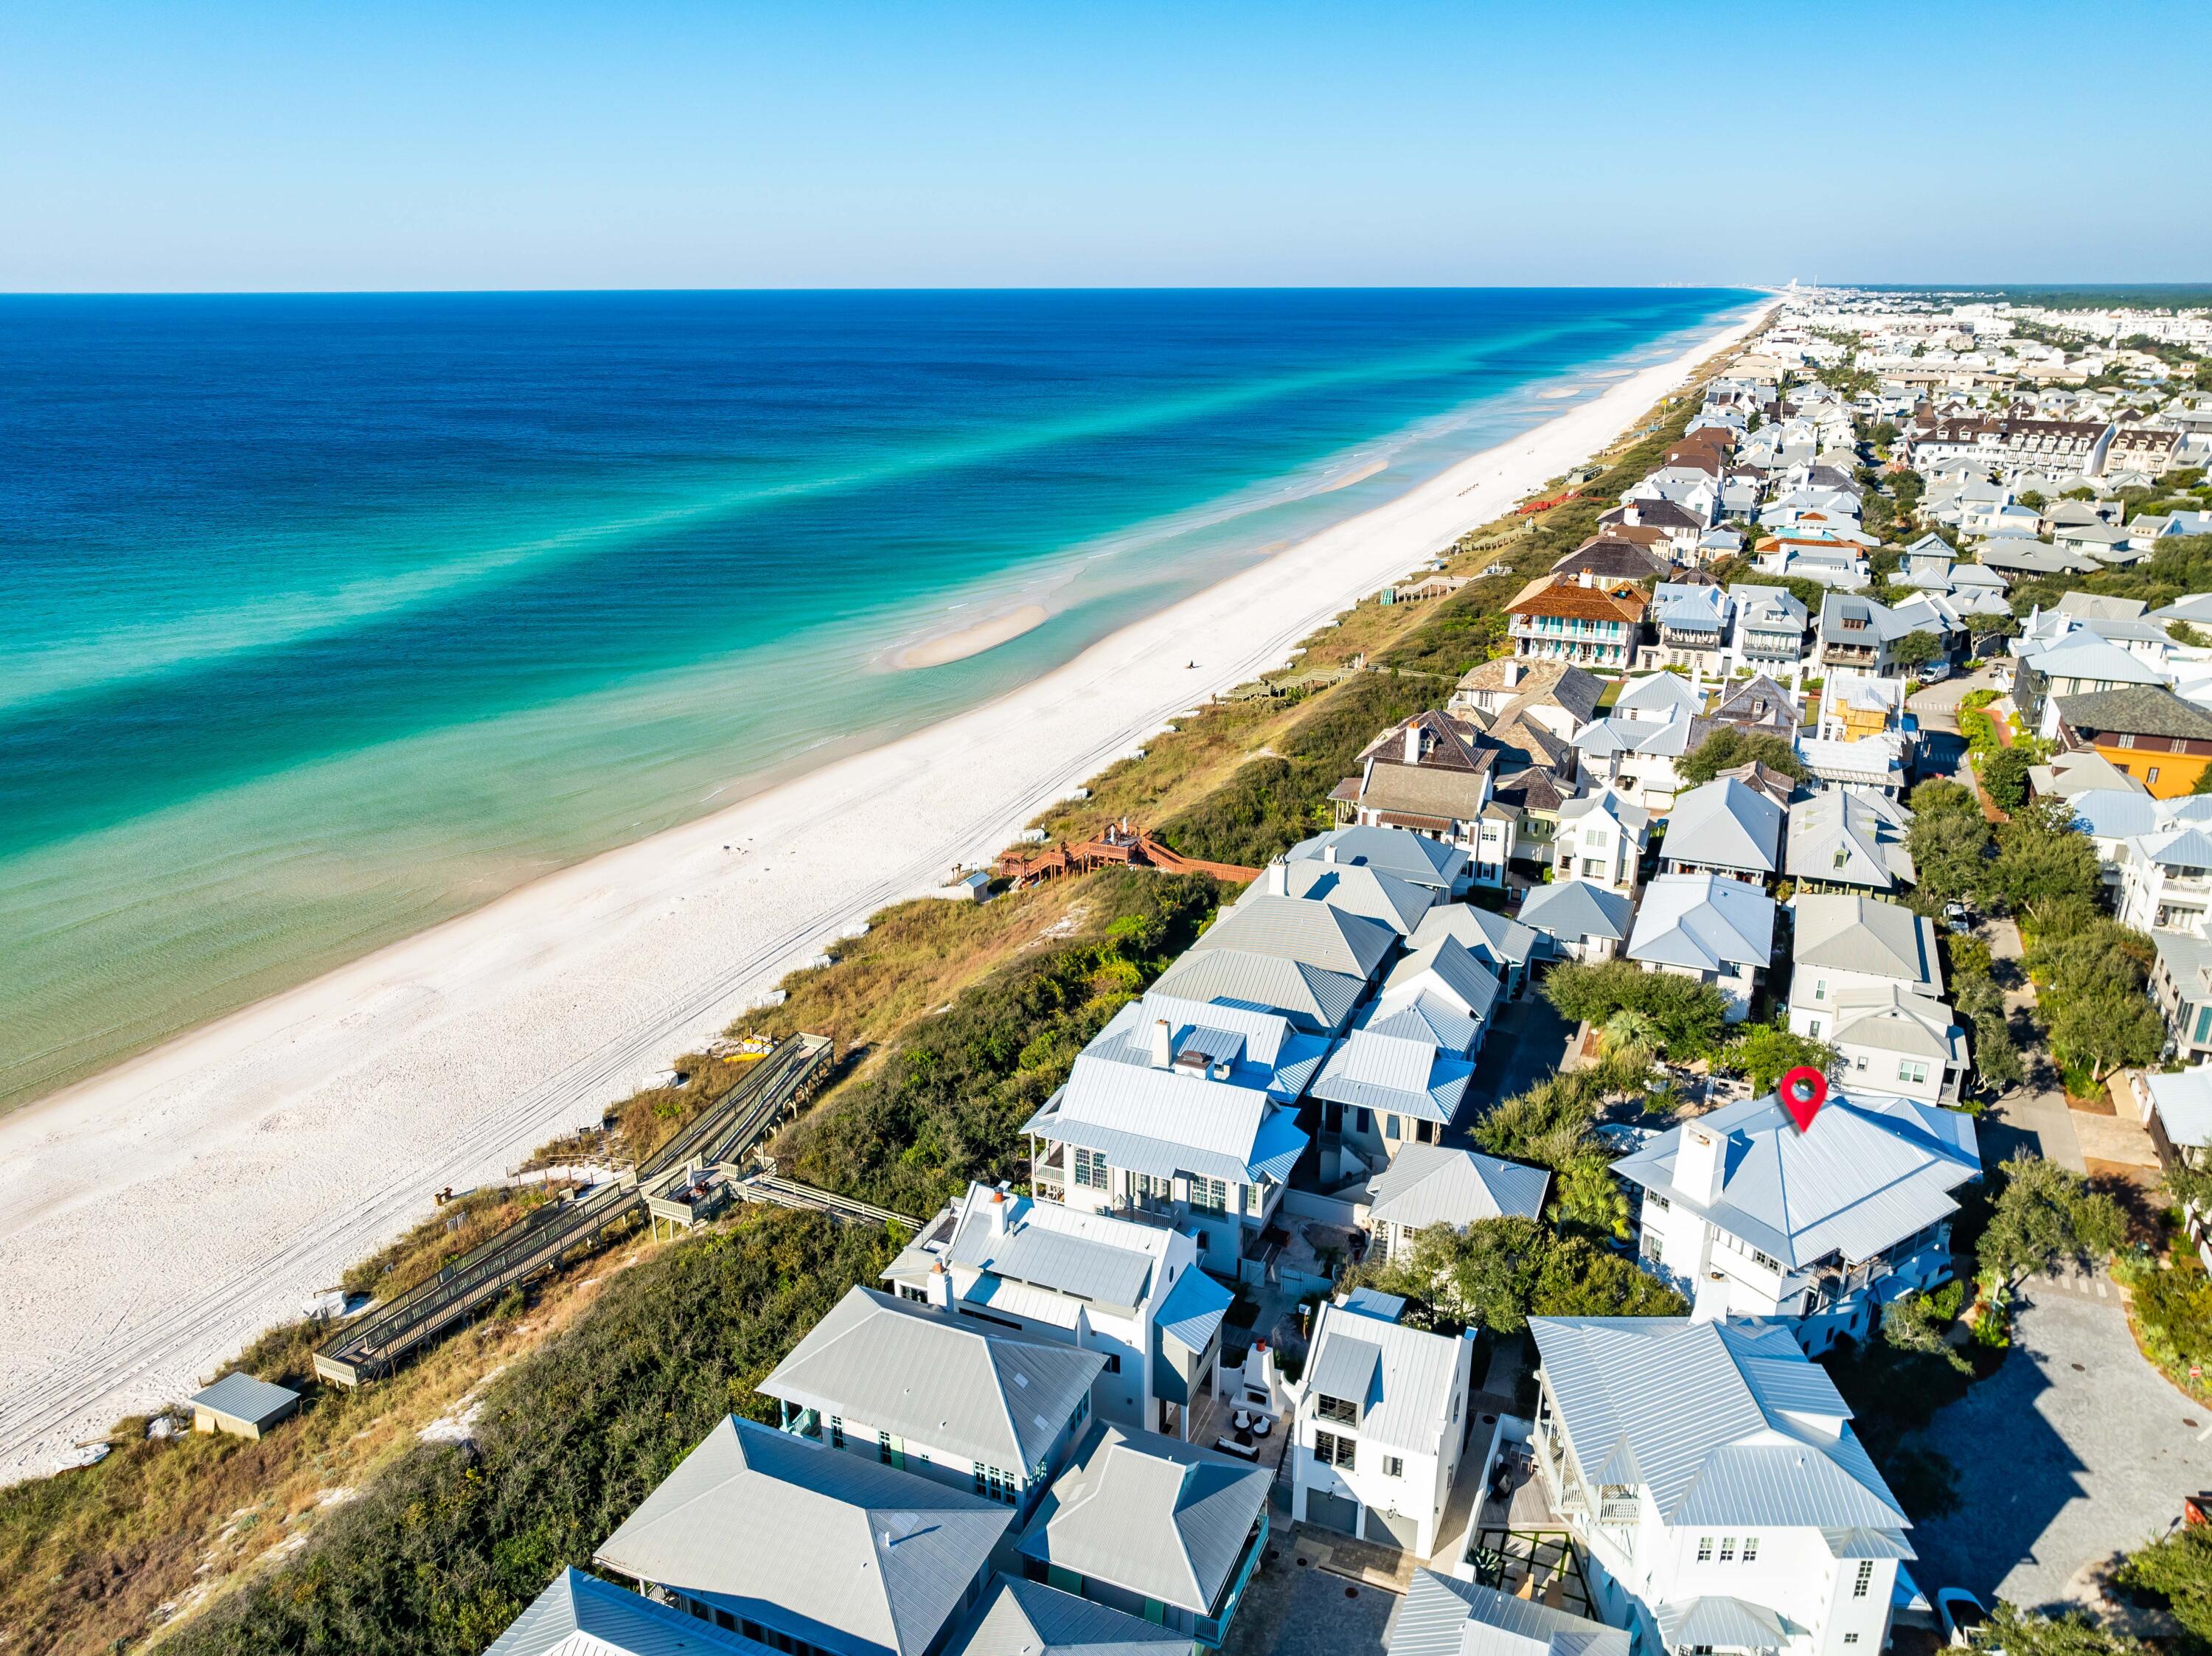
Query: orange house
point(2149, 732)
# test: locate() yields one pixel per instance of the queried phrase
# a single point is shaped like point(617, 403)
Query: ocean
point(325, 618)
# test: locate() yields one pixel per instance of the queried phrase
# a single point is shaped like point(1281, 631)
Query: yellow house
point(2152, 734)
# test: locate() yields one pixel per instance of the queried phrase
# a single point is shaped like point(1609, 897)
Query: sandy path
point(154, 1219)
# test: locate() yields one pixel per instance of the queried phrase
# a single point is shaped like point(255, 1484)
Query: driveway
point(1937, 705)
point(2074, 1450)
point(1293, 1607)
point(1523, 1048)
point(2033, 1116)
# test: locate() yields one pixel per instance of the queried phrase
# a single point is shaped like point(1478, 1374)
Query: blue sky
point(227, 146)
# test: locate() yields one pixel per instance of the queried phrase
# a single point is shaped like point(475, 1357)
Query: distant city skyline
point(230, 147)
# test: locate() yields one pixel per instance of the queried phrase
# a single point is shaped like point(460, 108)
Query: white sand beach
point(154, 1219)
point(972, 640)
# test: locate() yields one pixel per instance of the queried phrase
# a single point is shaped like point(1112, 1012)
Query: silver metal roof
point(1407, 1402)
point(1870, 1171)
point(1849, 836)
point(1373, 893)
point(1192, 1313)
point(1150, 1514)
point(1715, 1436)
point(817, 1542)
point(1724, 824)
point(1319, 999)
point(1428, 1185)
point(1216, 1128)
point(1891, 1019)
point(1574, 909)
point(1442, 1616)
point(1400, 851)
point(244, 1398)
point(1313, 934)
point(1079, 1266)
point(1493, 939)
point(1704, 922)
point(1028, 1618)
point(1717, 1622)
point(1443, 966)
point(944, 1381)
point(1865, 934)
point(580, 1615)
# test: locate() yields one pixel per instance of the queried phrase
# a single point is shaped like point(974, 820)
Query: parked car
point(1936, 672)
point(1961, 1616)
point(1957, 916)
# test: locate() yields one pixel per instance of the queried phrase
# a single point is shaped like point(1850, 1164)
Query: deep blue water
point(323, 618)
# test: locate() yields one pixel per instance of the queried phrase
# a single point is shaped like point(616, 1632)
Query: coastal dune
point(154, 1219)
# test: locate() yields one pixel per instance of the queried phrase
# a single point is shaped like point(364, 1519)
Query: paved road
point(2035, 1115)
point(2074, 1449)
point(1524, 1045)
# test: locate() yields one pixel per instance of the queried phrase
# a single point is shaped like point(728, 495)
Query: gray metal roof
point(1865, 934)
point(1407, 1073)
point(1428, 1185)
point(1372, 893)
point(1166, 1151)
point(1724, 824)
point(1717, 1622)
point(1493, 939)
point(1849, 836)
point(1574, 909)
point(1857, 1542)
point(1442, 1616)
point(244, 1398)
point(947, 1381)
point(1312, 934)
point(1704, 922)
point(1892, 1019)
point(1394, 851)
point(1065, 1263)
point(1425, 1016)
point(820, 1544)
point(1221, 1129)
point(1663, 694)
point(1871, 1170)
point(1409, 1375)
point(1151, 1514)
point(1192, 1313)
point(1028, 1618)
point(1267, 982)
point(1722, 1422)
point(580, 1615)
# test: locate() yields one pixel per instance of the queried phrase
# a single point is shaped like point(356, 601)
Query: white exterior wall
point(1598, 850)
point(1420, 1492)
point(1735, 985)
point(2152, 901)
point(1813, 989)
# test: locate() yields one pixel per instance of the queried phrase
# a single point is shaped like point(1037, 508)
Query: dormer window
point(1340, 1410)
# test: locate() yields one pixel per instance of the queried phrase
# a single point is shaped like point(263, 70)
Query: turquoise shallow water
point(324, 619)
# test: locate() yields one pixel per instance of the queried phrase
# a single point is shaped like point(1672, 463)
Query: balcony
point(1211, 1630)
point(1048, 1174)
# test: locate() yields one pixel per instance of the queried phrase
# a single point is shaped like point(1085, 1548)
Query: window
point(836, 1431)
point(2123, 741)
point(1850, 1638)
point(1363, 1120)
point(1864, 1580)
point(1393, 1466)
point(1751, 1549)
point(725, 1620)
point(1843, 856)
point(883, 1447)
point(1089, 1169)
point(2151, 775)
point(1765, 1260)
point(1705, 1550)
point(1209, 1194)
point(1813, 1027)
point(1390, 1127)
point(1911, 1070)
point(1334, 1451)
point(1653, 1199)
point(1728, 1550)
point(1337, 1409)
point(1821, 985)
point(1113, 1363)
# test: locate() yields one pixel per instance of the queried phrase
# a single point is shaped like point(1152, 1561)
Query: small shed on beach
point(241, 1405)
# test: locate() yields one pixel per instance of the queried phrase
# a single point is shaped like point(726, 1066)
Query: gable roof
point(1864, 934)
point(1048, 1246)
point(1168, 1125)
point(1430, 1185)
point(822, 1545)
point(1870, 1170)
point(1491, 939)
point(1150, 1514)
point(1316, 934)
point(1847, 836)
point(1725, 824)
point(1020, 1617)
point(1668, 694)
point(1353, 887)
point(1400, 1379)
point(1704, 923)
point(1394, 851)
point(951, 1382)
point(580, 1615)
point(1723, 1423)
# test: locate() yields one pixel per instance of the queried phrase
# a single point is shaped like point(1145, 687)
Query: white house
point(1727, 829)
point(1711, 1480)
point(1867, 980)
point(1636, 757)
point(1579, 920)
point(1600, 841)
point(2165, 881)
point(1749, 1217)
point(1717, 930)
point(949, 1396)
point(1045, 1271)
point(1441, 1615)
point(1381, 1420)
point(1430, 1185)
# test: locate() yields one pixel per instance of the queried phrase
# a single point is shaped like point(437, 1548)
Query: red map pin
point(1803, 1090)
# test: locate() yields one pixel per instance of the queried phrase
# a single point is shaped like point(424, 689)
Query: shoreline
point(280, 1143)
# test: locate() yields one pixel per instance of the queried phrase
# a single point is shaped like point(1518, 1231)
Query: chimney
point(1000, 1207)
point(1279, 877)
point(1412, 744)
point(1163, 1044)
point(1586, 578)
point(1328, 851)
point(1700, 1164)
point(939, 1289)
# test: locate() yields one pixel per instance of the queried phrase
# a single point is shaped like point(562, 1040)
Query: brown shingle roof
point(2134, 710)
point(1564, 595)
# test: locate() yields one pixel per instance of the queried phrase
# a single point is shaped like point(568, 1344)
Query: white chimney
point(1328, 851)
point(1163, 1044)
point(939, 1289)
point(1279, 877)
point(1412, 744)
point(1700, 1163)
point(1513, 671)
point(1000, 1207)
point(1586, 578)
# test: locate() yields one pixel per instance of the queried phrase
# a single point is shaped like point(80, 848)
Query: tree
point(1728, 746)
point(2044, 1214)
point(2004, 773)
point(1917, 649)
point(2018, 1632)
point(1591, 1200)
point(2202, 785)
point(1949, 841)
point(2042, 860)
point(2107, 1029)
point(1686, 1016)
point(2178, 1567)
point(1549, 1125)
point(1763, 1052)
point(1996, 1057)
point(1499, 1272)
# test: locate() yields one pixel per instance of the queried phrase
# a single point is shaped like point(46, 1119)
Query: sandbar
point(972, 640)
